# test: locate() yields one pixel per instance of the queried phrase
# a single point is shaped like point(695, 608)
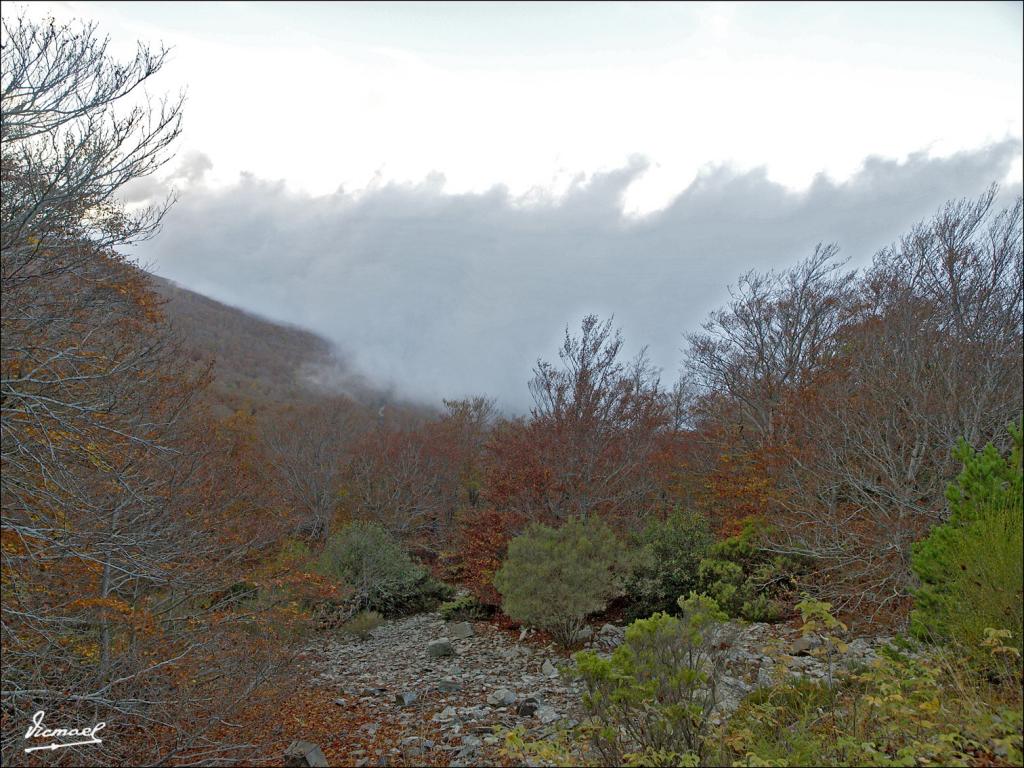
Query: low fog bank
point(433, 295)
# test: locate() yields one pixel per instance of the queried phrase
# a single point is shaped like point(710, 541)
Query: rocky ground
point(440, 691)
point(449, 685)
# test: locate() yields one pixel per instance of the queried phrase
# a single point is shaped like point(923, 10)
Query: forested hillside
point(258, 364)
point(807, 550)
point(255, 360)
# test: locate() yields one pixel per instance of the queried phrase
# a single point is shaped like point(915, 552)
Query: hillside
point(257, 362)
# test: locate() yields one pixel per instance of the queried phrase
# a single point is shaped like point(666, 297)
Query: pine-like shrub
point(971, 566)
point(464, 608)
point(553, 578)
point(745, 579)
point(370, 561)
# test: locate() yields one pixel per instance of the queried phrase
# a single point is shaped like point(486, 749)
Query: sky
point(440, 188)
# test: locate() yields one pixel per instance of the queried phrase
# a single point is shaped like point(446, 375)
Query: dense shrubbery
point(649, 704)
point(902, 710)
point(383, 578)
point(651, 700)
point(464, 608)
point(667, 555)
point(971, 567)
point(554, 577)
point(746, 580)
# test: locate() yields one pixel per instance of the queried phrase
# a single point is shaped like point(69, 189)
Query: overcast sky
point(441, 188)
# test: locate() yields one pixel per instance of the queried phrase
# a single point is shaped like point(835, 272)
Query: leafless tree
point(109, 549)
point(308, 449)
point(779, 328)
point(595, 421)
point(935, 355)
point(857, 387)
point(415, 478)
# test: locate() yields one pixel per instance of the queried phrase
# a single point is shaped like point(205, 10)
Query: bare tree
point(852, 389)
point(935, 355)
point(70, 143)
point(595, 424)
point(112, 551)
point(415, 479)
point(779, 328)
point(308, 450)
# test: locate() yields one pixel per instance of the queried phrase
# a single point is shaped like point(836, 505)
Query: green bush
point(553, 578)
point(666, 555)
point(383, 578)
point(649, 704)
point(971, 566)
point(362, 624)
point(902, 710)
point(464, 608)
point(744, 578)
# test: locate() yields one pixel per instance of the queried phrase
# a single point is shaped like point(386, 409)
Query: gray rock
point(461, 631)
point(415, 746)
point(370, 729)
point(804, 645)
point(446, 715)
point(405, 698)
point(440, 647)
point(729, 693)
point(860, 647)
point(609, 637)
point(304, 754)
point(502, 697)
point(547, 715)
point(584, 634)
point(466, 756)
point(766, 675)
point(449, 685)
point(549, 669)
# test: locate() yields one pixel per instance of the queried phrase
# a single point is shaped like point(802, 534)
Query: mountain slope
point(257, 362)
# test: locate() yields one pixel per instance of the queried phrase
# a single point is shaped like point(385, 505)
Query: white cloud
point(535, 115)
point(444, 295)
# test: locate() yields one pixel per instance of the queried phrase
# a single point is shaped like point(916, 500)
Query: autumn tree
point(415, 478)
point(835, 397)
point(933, 356)
point(394, 479)
point(586, 450)
point(307, 447)
point(597, 418)
point(778, 329)
point(115, 554)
